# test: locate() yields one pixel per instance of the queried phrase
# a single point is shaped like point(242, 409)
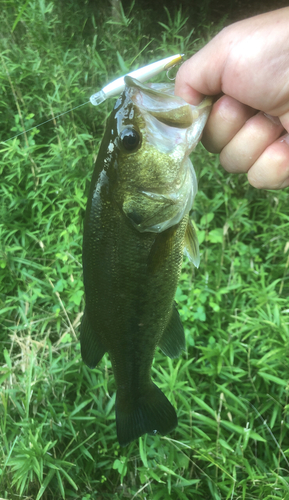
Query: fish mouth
point(169, 120)
point(159, 100)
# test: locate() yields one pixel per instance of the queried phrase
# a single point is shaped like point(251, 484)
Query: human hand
point(249, 63)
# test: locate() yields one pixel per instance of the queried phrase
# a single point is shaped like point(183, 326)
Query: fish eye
point(130, 139)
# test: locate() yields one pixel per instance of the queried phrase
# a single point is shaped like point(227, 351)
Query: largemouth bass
point(136, 229)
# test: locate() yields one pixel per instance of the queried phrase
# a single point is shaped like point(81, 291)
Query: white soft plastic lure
point(142, 75)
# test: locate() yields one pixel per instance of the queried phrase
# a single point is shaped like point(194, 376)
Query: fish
point(136, 229)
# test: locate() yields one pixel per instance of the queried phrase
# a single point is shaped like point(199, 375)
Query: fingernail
point(285, 138)
point(273, 119)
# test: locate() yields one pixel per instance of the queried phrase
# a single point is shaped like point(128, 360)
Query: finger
point(202, 73)
point(249, 143)
point(271, 170)
point(284, 119)
point(189, 94)
point(226, 119)
point(185, 90)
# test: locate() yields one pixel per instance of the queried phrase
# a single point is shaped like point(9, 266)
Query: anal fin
point(92, 348)
point(173, 338)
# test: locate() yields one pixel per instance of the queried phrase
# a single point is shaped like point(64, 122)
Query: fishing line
point(116, 87)
point(50, 120)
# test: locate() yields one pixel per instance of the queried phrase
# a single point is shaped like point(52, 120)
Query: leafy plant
point(230, 387)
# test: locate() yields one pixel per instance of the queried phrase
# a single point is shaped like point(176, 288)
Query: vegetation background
point(57, 428)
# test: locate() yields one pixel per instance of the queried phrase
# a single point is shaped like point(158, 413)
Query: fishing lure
point(142, 75)
point(117, 86)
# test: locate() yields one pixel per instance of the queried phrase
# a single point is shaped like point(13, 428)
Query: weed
point(230, 388)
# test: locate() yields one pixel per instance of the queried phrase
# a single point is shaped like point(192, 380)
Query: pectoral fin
point(92, 349)
point(173, 338)
point(161, 249)
point(192, 244)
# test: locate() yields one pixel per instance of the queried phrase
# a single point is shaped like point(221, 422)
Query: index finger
point(201, 75)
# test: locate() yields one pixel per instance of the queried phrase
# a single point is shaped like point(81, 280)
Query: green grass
point(57, 427)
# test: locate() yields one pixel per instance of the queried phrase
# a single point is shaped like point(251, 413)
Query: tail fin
point(150, 413)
